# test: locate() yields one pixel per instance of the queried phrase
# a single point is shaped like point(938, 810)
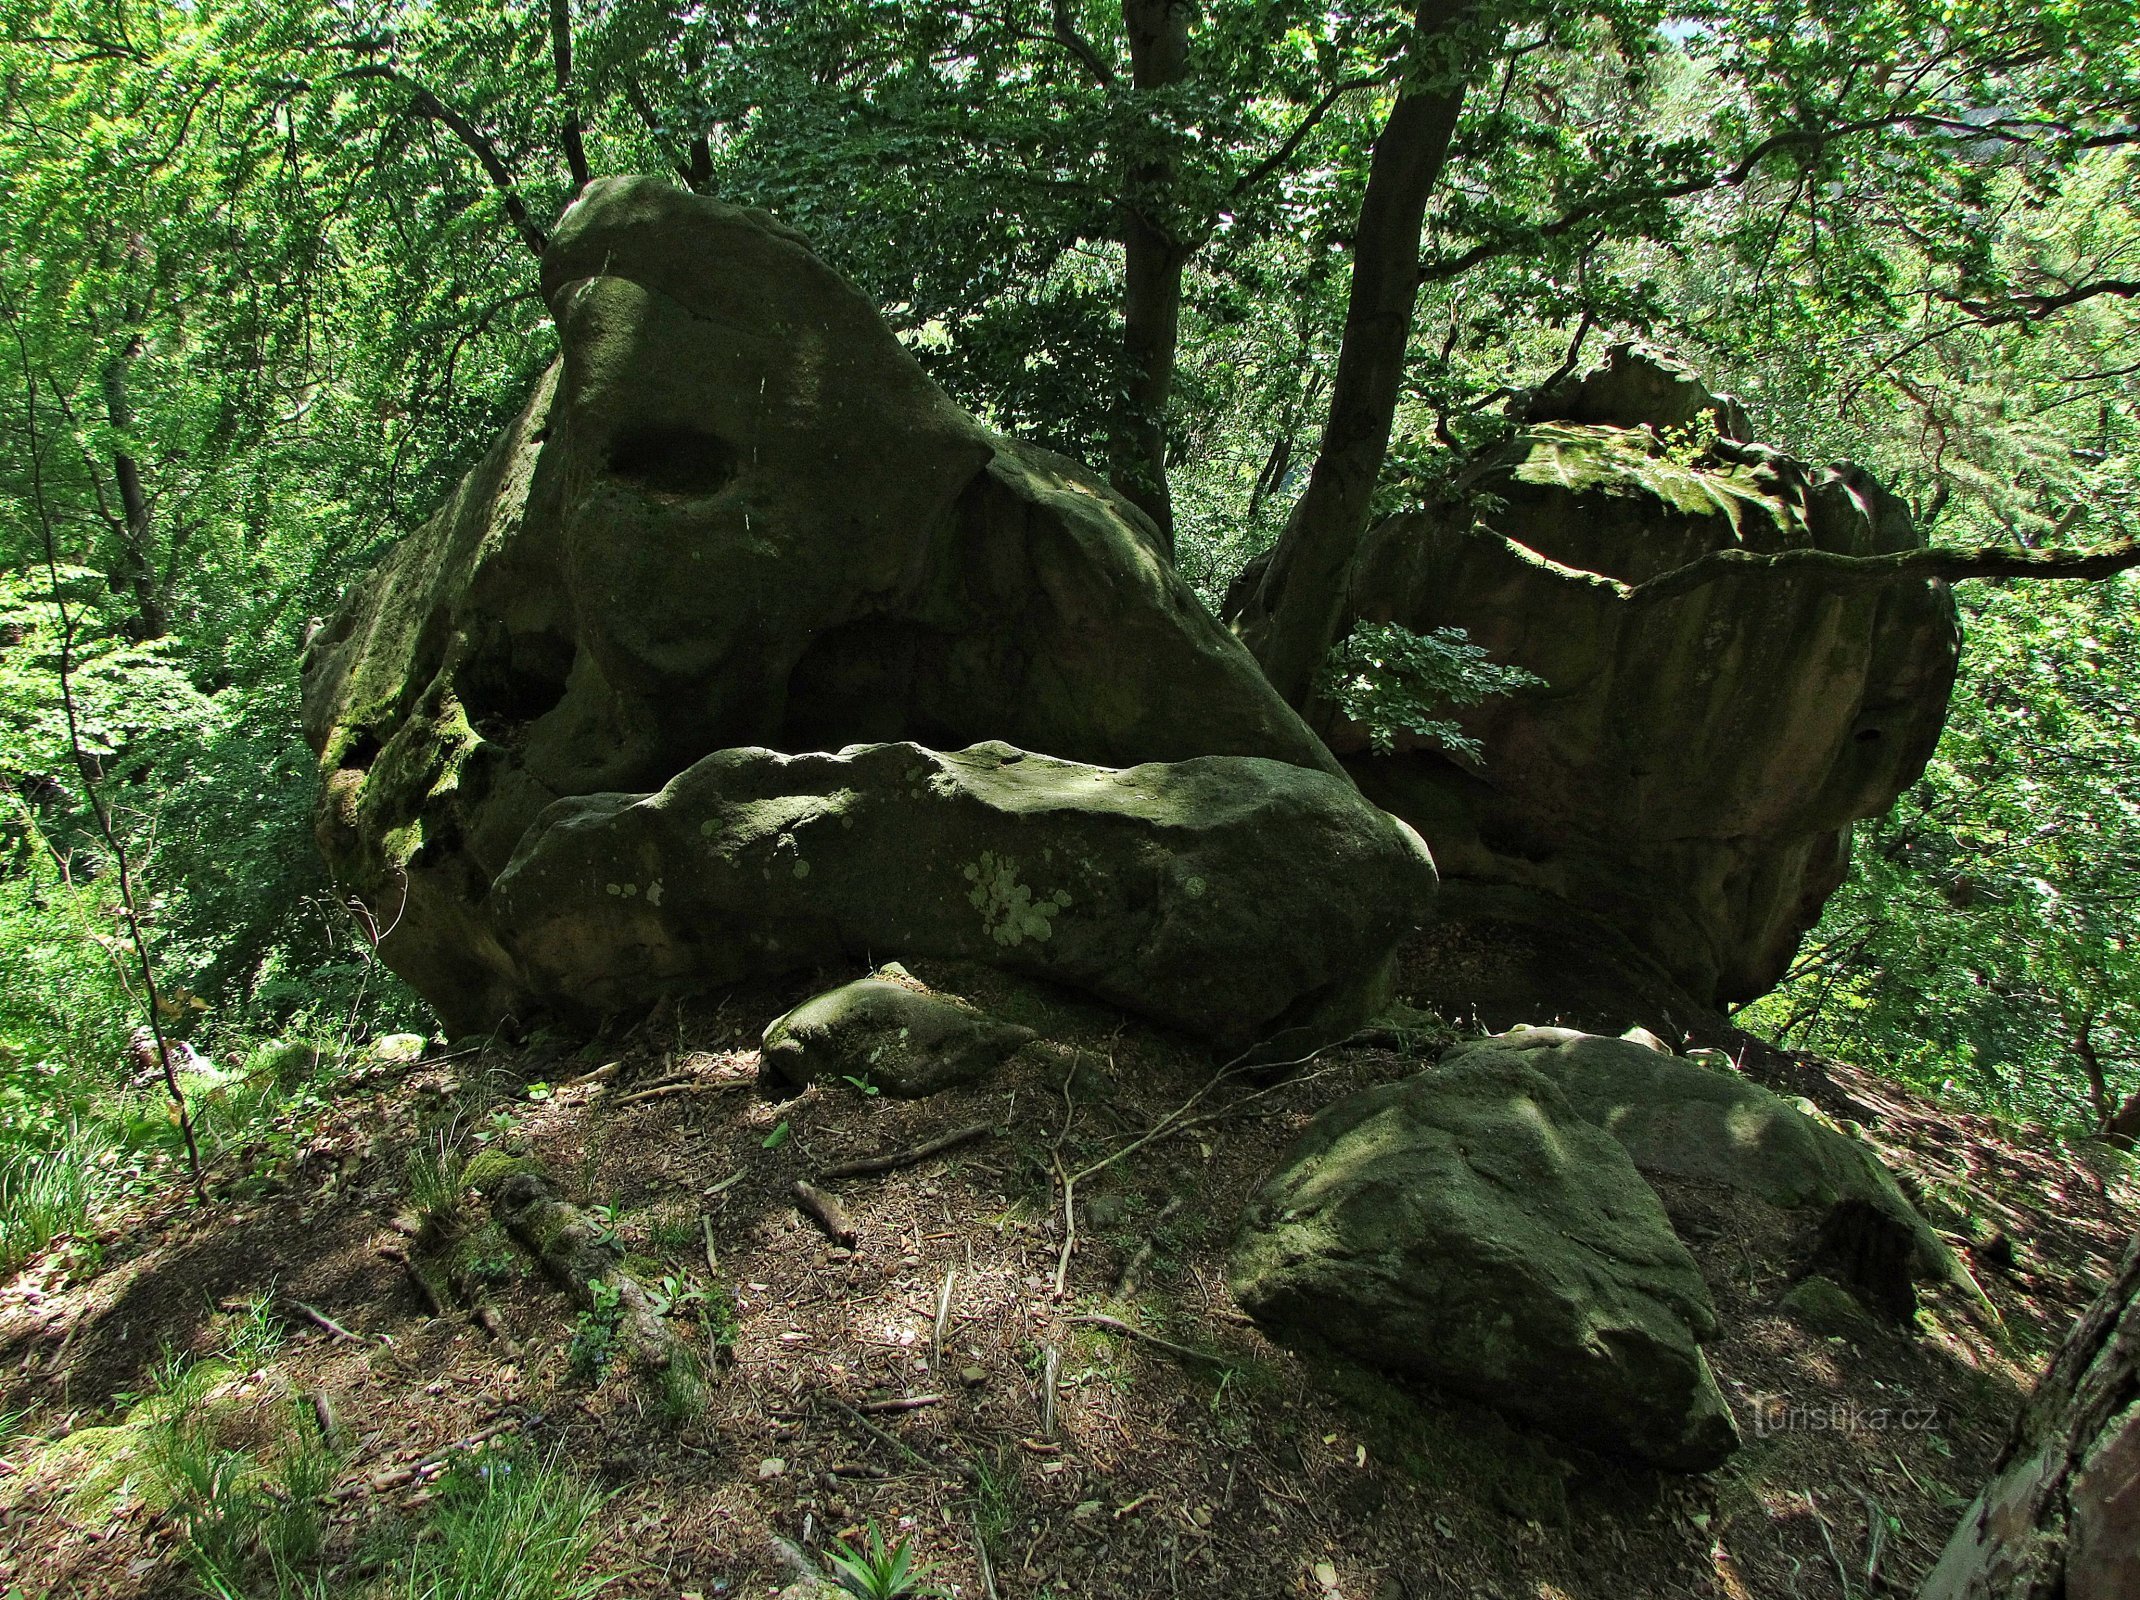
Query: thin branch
point(1839, 571)
point(1066, 35)
point(1284, 153)
point(101, 811)
point(423, 103)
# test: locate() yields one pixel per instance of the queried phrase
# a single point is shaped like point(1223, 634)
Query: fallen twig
point(912, 1402)
point(869, 1166)
point(1117, 1325)
point(882, 1435)
point(828, 1212)
point(694, 1086)
point(320, 1319)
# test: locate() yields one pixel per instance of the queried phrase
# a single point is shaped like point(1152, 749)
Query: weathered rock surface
point(1680, 1119)
point(1467, 1227)
point(905, 1040)
point(1689, 774)
point(2060, 1518)
point(1229, 896)
point(735, 514)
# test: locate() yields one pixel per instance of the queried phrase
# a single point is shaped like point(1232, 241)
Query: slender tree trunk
point(1290, 619)
point(569, 131)
point(2060, 1518)
point(2091, 1061)
point(137, 557)
point(1153, 258)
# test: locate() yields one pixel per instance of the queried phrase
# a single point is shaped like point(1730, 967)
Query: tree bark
point(2060, 1518)
point(137, 559)
point(1290, 619)
point(570, 133)
point(1153, 258)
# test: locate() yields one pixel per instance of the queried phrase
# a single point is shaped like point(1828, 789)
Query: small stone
point(771, 1467)
point(973, 1377)
point(1326, 1575)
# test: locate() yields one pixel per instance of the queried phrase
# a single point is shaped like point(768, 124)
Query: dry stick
point(713, 1262)
point(943, 1318)
point(97, 807)
point(912, 1402)
point(662, 1090)
point(1175, 1121)
point(320, 1319)
point(898, 1444)
point(1117, 1325)
point(828, 1212)
point(869, 1166)
point(988, 1571)
point(1051, 1371)
point(323, 1414)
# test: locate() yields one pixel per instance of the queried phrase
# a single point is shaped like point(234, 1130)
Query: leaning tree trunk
point(1290, 619)
point(2060, 1519)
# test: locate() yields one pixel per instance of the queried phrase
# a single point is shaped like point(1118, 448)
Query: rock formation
point(737, 524)
point(1468, 1228)
point(888, 1032)
point(1651, 833)
point(1681, 1119)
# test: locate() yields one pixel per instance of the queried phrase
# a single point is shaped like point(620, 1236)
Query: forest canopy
point(269, 287)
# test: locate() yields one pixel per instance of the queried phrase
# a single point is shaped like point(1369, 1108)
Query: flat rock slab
point(906, 1041)
point(1232, 897)
point(1681, 1119)
point(1468, 1228)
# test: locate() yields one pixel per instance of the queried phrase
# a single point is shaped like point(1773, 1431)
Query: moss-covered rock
point(1689, 773)
point(1828, 1308)
point(1468, 1228)
point(1680, 1118)
point(897, 1037)
point(1232, 897)
point(736, 515)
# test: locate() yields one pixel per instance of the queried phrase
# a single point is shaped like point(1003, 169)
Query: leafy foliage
point(1392, 681)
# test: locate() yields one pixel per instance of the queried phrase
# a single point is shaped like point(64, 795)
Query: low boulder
point(1234, 898)
point(1679, 1118)
point(896, 1036)
point(1468, 1228)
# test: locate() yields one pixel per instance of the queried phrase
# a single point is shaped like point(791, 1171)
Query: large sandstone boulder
point(736, 515)
point(1468, 1228)
point(1678, 1118)
point(1687, 778)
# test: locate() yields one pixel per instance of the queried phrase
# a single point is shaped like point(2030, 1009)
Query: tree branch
point(569, 131)
point(423, 103)
point(1838, 571)
point(1066, 35)
point(1284, 153)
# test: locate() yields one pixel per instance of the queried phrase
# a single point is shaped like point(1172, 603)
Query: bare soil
point(1212, 1463)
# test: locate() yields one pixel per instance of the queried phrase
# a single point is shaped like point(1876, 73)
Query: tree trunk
point(1153, 258)
point(137, 557)
point(2060, 1519)
point(1290, 618)
point(569, 132)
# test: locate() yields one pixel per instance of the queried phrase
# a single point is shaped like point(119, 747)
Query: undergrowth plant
point(871, 1571)
point(509, 1525)
point(1391, 680)
point(47, 1194)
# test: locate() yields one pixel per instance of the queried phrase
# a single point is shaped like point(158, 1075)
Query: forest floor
point(1211, 1464)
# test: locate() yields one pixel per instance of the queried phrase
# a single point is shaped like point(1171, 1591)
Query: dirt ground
point(1189, 1458)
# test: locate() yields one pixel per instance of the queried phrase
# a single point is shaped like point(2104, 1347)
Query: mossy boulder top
point(734, 515)
point(1688, 775)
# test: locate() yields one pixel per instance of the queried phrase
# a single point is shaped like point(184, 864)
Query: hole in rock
point(362, 752)
point(512, 679)
point(671, 459)
point(1867, 735)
